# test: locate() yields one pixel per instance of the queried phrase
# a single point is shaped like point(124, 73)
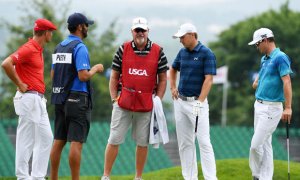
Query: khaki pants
point(122, 119)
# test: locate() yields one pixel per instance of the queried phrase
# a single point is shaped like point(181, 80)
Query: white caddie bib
point(62, 58)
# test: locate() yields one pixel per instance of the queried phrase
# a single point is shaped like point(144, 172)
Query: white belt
point(268, 102)
point(35, 92)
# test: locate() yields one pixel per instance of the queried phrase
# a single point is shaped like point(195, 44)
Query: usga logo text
point(139, 72)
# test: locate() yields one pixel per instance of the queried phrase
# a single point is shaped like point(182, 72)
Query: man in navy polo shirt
point(273, 86)
point(197, 65)
point(71, 94)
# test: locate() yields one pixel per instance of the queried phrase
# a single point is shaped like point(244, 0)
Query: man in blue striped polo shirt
point(273, 86)
point(197, 65)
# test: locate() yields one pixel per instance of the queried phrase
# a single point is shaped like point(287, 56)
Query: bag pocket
point(127, 99)
point(136, 101)
point(144, 102)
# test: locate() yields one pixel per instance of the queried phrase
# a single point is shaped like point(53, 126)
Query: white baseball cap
point(261, 34)
point(139, 22)
point(185, 28)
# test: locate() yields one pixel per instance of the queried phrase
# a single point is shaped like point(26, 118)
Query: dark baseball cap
point(78, 18)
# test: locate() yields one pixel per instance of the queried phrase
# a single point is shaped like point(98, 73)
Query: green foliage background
point(231, 49)
point(101, 50)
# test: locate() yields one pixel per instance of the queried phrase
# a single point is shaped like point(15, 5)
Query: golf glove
point(197, 107)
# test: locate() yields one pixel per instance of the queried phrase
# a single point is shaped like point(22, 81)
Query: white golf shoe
point(105, 178)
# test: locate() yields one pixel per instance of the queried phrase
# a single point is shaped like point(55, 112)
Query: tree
point(101, 51)
point(232, 50)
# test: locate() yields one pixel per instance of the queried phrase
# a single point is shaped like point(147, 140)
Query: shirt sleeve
point(163, 62)
point(283, 65)
point(21, 55)
point(176, 62)
point(210, 64)
point(82, 58)
point(117, 61)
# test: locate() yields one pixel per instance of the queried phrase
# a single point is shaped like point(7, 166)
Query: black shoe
point(255, 178)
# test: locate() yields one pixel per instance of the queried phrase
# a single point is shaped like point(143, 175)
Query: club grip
point(287, 130)
point(196, 125)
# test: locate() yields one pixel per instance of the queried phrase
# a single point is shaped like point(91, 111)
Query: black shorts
point(72, 120)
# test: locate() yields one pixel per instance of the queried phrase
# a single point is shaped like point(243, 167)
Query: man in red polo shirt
point(25, 68)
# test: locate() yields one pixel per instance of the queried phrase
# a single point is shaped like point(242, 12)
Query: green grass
point(229, 169)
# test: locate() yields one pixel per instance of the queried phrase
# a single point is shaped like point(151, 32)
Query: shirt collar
point(272, 54)
point(35, 44)
point(147, 47)
point(73, 37)
point(197, 47)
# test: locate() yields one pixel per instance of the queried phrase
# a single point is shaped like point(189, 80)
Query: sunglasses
point(258, 43)
point(137, 30)
point(182, 37)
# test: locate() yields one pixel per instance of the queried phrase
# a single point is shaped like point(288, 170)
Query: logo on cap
point(264, 36)
point(139, 22)
point(260, 34)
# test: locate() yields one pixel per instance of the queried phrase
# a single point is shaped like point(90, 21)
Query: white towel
point(158, 125)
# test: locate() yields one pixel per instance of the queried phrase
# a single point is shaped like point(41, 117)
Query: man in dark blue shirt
point(197, 65)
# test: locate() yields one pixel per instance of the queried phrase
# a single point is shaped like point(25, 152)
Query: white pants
point(266, 119)
point(185, 129)
point(34, 136)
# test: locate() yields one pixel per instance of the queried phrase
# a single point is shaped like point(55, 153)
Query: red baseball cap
point(43, 24)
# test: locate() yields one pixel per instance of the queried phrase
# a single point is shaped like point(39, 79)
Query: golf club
point(196, 125)
point(288, 148)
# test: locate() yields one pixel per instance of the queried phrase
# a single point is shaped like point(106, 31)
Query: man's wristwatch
point(113, 100)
